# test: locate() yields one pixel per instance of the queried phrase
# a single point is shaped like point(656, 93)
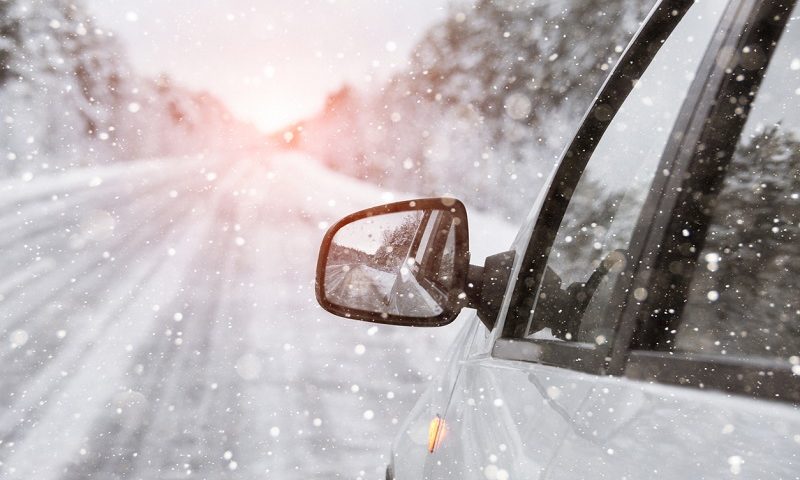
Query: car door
point(543, 406)
point(703, 360)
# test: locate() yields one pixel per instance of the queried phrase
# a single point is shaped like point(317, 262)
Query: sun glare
point(279, 107)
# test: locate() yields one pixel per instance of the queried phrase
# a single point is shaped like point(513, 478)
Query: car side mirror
point(403, 263)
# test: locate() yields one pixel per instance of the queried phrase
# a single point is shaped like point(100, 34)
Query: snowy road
point(157, 321)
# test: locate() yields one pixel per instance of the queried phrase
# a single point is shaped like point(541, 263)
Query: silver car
point(645, 323)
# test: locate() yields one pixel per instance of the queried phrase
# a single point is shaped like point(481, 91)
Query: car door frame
point(657, 27)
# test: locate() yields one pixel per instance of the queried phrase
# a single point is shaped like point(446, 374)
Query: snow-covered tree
point(68, 97)
point(488, 99)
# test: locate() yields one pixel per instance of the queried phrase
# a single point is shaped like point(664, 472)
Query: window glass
point(743, 297)
point(590, 249)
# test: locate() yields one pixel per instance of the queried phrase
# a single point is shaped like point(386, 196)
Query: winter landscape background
point(156, 306)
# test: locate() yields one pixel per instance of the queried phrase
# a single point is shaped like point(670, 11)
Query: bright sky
point(273, 61)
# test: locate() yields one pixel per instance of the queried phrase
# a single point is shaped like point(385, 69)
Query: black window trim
point(751, 377)
point(656, 28)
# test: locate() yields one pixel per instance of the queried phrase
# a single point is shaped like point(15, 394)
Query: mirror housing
point(403, 263)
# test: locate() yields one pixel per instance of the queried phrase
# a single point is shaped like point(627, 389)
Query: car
point(645, 323)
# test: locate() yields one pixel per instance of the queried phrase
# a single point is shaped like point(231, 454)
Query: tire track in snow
point(131, 238)
point(303, 377)
point(101, 333)
point(127, 243)
point(54, 287)
point(171, 409)
point(86, 394)
point(43, 218)
point(14, 193)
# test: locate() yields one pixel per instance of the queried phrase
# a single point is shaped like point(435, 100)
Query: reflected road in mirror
point(396, 263)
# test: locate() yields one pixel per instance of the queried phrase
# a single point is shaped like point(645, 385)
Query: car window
point(591, 246)
point(743, 295)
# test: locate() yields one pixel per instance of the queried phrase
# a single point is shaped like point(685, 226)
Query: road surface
point(157, 321)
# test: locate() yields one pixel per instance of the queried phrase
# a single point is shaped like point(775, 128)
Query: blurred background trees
point(68, 97)
point(488, 100)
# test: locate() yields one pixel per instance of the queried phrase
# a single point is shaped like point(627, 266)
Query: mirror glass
point(399, 263)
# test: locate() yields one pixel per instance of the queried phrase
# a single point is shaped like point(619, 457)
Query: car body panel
point(526, 420)
point(410, 447)
point(521, 419)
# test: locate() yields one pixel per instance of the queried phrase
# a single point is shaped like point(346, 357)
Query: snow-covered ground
point(157, 320)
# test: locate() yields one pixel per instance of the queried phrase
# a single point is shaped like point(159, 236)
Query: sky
point(271, 61)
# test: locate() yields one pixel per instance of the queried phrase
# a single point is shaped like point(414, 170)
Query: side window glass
point(743, 298)
point(590, 249)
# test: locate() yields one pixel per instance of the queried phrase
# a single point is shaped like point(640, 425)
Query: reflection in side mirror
point(404, 263)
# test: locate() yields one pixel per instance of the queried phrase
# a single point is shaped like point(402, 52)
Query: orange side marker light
point(436, 432)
